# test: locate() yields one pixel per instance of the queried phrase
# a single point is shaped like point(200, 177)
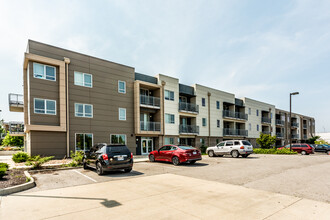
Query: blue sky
point(258, 49)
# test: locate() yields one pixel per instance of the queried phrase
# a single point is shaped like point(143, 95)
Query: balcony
point(266, 132)
point(279, 135)
point(266, 120)
point(235, 115)
point(150, 101)
point(295, 124)
point(304, 126)
point(188, 107)
point(279, 122)
point(305, 136)
point(294, 136)
point(150, 126)
point(16, 102)
point(235, 132)
point(189, 129)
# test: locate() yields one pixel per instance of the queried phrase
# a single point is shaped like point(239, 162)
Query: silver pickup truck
point(235, 148)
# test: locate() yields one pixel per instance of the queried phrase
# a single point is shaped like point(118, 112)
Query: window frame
point(84, 113)
point(83, 82)
point(203, 122)
point(75, 141)
point(169, 93)
point(218, 104)
point(203, 102)
point(45, 73)
point(218, 123)
point(257, 112)
point(118, 138)
point(170, 121)
point(169, 138)
point(119, 118)
point(119, 91)
point(45, 104)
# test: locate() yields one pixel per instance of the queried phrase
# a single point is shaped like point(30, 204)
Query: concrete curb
point(54, 169)
point(141, 160)
point(19, 188)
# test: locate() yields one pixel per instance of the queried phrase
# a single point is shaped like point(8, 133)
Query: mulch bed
point(12, 178)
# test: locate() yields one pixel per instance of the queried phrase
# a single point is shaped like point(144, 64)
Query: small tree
point(312, 139)
point(321, 141)
point(9, 140)
point(266, 141)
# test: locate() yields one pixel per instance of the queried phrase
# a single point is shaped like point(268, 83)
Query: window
point(44, 106)
point(122, 114)
point(83, 110)
point(121, 86)
point(217, 140)
point(237, 143)
point(257, 127)
point(169, 140)
point(202, 141)
point(218, 105)
point(221, 144)
point(218, 123)
point(169, 95)
point(229, 143)
point(44, 71)
point(117, 138)
point(249, 111)
point(169, 119)
point(257, 113)
point(84, 142)
point(250, 127)
point(203, 101)
point(83, 79)
point(204, 121)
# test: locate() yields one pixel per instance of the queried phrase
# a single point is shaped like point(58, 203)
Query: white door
point(146, 145)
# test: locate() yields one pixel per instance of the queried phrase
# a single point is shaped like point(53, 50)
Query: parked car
point(235, 148)
point(103, 157)
point(176, 154)
point(304, 149)
point(322, 148)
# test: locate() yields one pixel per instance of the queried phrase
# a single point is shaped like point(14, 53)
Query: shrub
point(13, 140)
point(266, 141)
point(273, 151)
point(37, 161)
point(77, 157)
point(28, 179)
point(2, 171)
point(20, 157)
point(203, 149)
point(5, 165)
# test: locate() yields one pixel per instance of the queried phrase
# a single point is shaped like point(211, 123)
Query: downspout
point(163, 112)
point(67, 61)
point(209, 116)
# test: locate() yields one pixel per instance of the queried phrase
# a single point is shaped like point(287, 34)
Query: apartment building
point(72, 101)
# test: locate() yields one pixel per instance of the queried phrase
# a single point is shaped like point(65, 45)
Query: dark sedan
point(322, 148)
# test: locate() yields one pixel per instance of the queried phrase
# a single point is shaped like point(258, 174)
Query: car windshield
point(186, 147)
point(116, 149)
point(246, 143)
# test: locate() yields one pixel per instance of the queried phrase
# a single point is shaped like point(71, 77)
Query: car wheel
point(245, 155)
point(328, 152)
point(85, 165)
point(175, 161)
point(234, 153)
point(303, 152)
point(99, 169)
point(192, 162)
point(128, 170)
point(152, 158)
point(211, 153)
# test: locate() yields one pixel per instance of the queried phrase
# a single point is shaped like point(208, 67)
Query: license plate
point(194, 153)
point(120, 158)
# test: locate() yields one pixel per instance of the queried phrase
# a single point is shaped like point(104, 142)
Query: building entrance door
point(147, 145)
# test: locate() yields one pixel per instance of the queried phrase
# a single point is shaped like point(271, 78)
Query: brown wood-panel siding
point(103, 95)
point(48, 143)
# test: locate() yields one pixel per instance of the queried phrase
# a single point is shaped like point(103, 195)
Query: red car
point(176, 154)
point(304, 149)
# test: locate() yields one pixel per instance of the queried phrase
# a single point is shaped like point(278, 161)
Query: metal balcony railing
point(16, 100)
point(305, 126)
point(235, 132)
point(266, 132)
point(149, 126)
point(279, 122)
point(188, 129)
point(305, 136)
point(236, 115)
point(189, 107)
point(295, 124)
point(266, 120)
point(150, 101)
point(279, 135)
point(294, 136)
point(16, 127)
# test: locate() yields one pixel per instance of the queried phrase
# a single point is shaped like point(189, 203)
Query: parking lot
point(295, 175)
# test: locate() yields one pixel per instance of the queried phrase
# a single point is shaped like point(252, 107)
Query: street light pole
point(290, 136)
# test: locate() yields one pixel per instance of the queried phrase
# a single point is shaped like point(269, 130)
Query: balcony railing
point(236, 115)
point(295, 124)
point(279, 135)
point(279, 122)
point(150, 126)
point(188, 129)
point(16, 127)
point(294, 136)
point(235, 132)
point(305, 126)
point(150, 101)
point(188, 107)
point(16, 102)
point(305, 136)
point(266, 132)
point(266, 120)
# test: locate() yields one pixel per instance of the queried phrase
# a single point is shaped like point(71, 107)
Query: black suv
point(105, 157)
point(322, 148)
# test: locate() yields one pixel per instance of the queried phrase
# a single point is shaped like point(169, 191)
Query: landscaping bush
point(77, 157)
point(9, 140)
point(20, 157)
point(5, 165)
point(273, 151)
point(203, 149)
point(37, 161)
point(2, 171)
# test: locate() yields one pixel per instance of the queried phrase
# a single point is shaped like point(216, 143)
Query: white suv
point(233, 147)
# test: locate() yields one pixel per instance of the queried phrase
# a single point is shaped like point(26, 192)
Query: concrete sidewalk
point(165, 196)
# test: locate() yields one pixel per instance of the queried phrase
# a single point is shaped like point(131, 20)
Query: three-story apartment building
point(72, 101)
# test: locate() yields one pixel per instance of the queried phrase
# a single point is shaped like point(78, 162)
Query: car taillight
point(132, 155)
point(242, 147)
point(105, 156)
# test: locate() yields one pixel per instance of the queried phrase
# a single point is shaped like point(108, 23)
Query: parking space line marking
point(166, 167)
point(85, 176)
